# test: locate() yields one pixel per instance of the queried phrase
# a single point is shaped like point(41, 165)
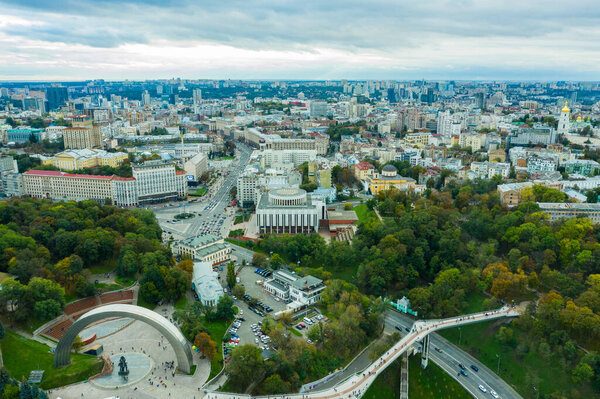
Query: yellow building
point(80, 159)
point(389, 179)
point(325, 178)
point(312, 172)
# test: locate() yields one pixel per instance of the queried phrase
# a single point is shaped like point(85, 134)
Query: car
point(256, 340)
point(475, 368)
point(461, 366)
point(308, 341)
point(437, 349)
point(463, 372)
point(482, 388)
point(398, 328)
point(494, 394)
point(298, 326)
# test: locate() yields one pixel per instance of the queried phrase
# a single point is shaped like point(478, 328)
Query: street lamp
point(498, 356)
point(459, 335)
point(537, 394)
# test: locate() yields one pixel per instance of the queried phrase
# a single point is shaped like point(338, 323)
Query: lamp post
point(537, 394)
point(459, 335)
point(498, 356)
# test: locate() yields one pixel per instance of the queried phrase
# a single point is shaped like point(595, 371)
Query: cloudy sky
point(301, 39)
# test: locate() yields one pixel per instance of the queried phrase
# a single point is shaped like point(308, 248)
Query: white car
point(482, 388)
point(256, 340)
point(494, 394)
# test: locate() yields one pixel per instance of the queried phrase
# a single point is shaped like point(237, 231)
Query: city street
point(212, 214)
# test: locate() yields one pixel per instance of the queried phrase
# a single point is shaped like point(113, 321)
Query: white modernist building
point(196, 166)
point(159, 181)
point(300, 290)
point(288, 210)
point(206, 284)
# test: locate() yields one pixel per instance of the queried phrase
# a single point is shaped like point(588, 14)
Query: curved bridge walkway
point(356, 385)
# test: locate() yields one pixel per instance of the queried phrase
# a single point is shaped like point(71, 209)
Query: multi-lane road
point(448, 356)
point(211, 213)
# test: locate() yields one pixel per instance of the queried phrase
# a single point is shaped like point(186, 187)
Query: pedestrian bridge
point(355, 386)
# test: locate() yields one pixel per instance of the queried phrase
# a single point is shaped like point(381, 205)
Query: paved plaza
point(158, 382)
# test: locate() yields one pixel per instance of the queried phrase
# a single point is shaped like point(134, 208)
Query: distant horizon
point(301, 80)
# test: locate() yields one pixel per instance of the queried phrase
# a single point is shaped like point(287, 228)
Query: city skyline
point(67, 40)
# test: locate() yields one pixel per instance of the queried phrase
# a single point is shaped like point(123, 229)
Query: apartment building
point(558, 210)
point(196, 166)
point(159, 181)
point(148, 184)
point(78, 137)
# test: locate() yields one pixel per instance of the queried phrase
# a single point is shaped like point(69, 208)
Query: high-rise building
point(79, 137)
point(56, 96)
point(197, 96)
point(145, 98)
point(480, 100)
point(318, 109)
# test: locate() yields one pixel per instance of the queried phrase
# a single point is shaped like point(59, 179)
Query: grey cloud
point(279, 24)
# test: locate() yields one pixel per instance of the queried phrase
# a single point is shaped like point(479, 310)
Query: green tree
point(274, 384)
point(225, 309)
point(583, 372)
point(231, 275)
point(238, 291)
point(246, 365)
point(259, 259)
point(276, 261)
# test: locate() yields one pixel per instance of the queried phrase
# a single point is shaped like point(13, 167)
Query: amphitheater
point(74, 310)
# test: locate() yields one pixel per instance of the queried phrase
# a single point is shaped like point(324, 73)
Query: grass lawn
point(199, 192)
point(125, 281)
point(364, 213)
point(104, 267)
point(432, 383)
point(224, 158)
point(295, 332)
point(217, 330)
point(245, 244)
point(104, 287)
point(242, 218)
point(22, 355)
point(181, 303)
point(3, 276)
point(387, 385)
point(31, 325)
point(142, 303)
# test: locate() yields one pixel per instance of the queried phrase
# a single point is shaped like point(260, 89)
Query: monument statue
point(123, 369)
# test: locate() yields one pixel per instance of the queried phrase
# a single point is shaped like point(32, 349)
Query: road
point(451, 356)
point(356, 385)
point(212, 214)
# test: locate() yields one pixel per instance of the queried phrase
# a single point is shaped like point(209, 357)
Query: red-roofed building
point(362, 169)
point(152, 182)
